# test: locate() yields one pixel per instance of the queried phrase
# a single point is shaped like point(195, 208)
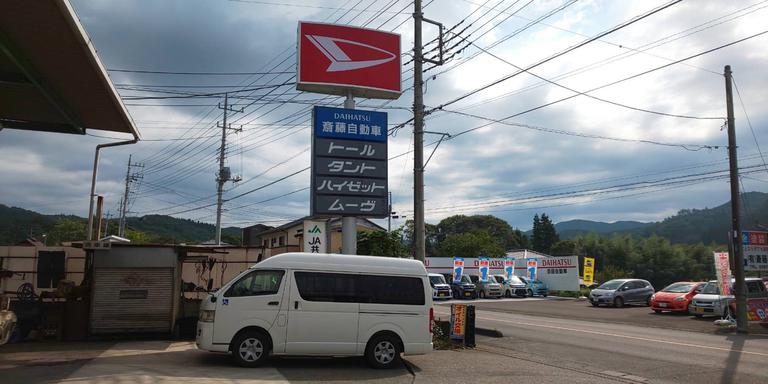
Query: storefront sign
point(458, 321)
point(349, 163)
point(509, 267)
point(723, 272)
point(531, 266)
point(458, 268)
point(315, 239)
point(484, 269)
point(755, 250)
point(589, 271)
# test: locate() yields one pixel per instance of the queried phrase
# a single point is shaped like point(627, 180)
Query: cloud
point(52, 172)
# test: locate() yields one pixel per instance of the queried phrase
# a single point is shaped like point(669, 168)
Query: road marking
point(624, 336)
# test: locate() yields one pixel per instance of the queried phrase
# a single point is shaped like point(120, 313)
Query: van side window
point(392, 290)
point(329, 287)
point(347, 288)
point(256, 283)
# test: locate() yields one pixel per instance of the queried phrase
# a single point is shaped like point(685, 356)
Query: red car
point(675, 297)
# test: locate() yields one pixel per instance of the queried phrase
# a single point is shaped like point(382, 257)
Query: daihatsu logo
point(341, 61)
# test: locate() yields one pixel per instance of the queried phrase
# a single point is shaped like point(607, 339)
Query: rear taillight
point(431, 318)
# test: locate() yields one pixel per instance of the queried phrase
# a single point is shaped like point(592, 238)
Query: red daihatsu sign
point(337, 59)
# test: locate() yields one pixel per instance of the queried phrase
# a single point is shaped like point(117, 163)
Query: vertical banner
point(723, 272)
point(458, 268)
point(589, 271)
point(315, 236)
point(509, 267)
point(458, 321)
point(484, 269)
point(531, 266)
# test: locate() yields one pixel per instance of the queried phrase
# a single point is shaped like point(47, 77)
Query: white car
point(440, 289)
point(321, 305)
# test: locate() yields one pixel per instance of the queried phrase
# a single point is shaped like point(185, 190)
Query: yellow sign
point(458, 320)
point(589, 271)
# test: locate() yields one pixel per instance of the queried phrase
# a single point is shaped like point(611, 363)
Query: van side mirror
point(213, 298)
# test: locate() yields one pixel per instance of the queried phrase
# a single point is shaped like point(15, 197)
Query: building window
point(50, 268)
point(274, 241)
point(282, 240)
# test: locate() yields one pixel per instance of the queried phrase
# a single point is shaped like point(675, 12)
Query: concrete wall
point(227, 266)
point(134, 257)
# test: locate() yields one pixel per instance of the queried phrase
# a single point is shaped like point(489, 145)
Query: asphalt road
point(630, 353)
point(566, 308)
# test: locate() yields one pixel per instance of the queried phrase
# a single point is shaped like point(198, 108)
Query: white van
point(321, 305)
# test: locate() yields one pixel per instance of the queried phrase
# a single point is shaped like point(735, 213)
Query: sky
point(640, 149)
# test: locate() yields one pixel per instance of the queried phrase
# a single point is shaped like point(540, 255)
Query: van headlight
point(207, 316)
point(679, 299)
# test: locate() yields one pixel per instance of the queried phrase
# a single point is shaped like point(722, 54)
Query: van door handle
point(273, 303)
point(296, 304)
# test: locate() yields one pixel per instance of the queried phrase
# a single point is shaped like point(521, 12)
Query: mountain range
point(687, 226)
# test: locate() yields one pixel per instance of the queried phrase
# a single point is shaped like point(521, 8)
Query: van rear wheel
point(250, 349)
point(383, 352)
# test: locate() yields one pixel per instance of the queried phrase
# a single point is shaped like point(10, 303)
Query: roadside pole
point(738, 248)
point(419, 234)
point(349, 223)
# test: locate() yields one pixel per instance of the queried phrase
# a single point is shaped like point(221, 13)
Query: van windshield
point(436, 280)
point(514, 280)
point(679, 288)
point(466, 279)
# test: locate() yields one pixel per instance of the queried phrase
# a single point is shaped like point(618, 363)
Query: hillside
point(16, 224)
point(687, 226)
point(573, 228)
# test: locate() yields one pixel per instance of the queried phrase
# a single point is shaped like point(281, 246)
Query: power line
point(196, 73)
point(749, 122)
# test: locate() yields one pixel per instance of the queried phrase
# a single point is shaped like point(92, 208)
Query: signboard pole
point(349, 223)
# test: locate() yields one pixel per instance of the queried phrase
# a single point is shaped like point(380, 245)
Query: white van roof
point(344, 263)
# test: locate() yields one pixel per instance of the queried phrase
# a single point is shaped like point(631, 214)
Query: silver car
point(710, 302)
point(486, 289)
point(619, 292)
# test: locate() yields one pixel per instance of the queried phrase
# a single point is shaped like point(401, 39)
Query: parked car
point(675, 297)
point(619, 292)
point(710, 302)
point(321, 305)
point(512, 286)
point(440, 289)
point(463, 289)
point(489, 288)
point(534, 287)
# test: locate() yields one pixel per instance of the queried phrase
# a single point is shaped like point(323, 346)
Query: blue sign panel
point(350, 124)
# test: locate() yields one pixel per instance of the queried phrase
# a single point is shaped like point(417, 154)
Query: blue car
point(534, 287)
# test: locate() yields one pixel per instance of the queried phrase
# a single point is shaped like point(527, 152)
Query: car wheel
point(455, 294)
point(383, 352)
point(544, 295)
point(648, 301)
point(618, 302)
point(594, 304)
point(251, 349)
point(482, 294)
point(698, 316)
point(658, 311)
point(508, 293)
point(529, 293)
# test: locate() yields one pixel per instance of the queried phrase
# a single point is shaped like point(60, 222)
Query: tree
point(499, 229)
point(377, 243)
point(544, 234)
point(67, 230)
point(471, 244)
point(431, 238)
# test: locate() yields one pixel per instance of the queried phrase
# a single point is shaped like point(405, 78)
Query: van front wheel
point(383, 352)
point(250, 349)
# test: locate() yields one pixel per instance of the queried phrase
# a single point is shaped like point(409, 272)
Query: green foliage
point(471, 244)
point(431, 237)
point(544, 235)
point(382, 244)
point(500, 230)
point(67, 230)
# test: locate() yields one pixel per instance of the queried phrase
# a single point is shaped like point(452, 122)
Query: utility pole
point(224, 173)
point(419, 233)
point(129, 178)
point(106, 223)
point(99, 208)
point(349, 223)
point(389, 213)
point(738, 249)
